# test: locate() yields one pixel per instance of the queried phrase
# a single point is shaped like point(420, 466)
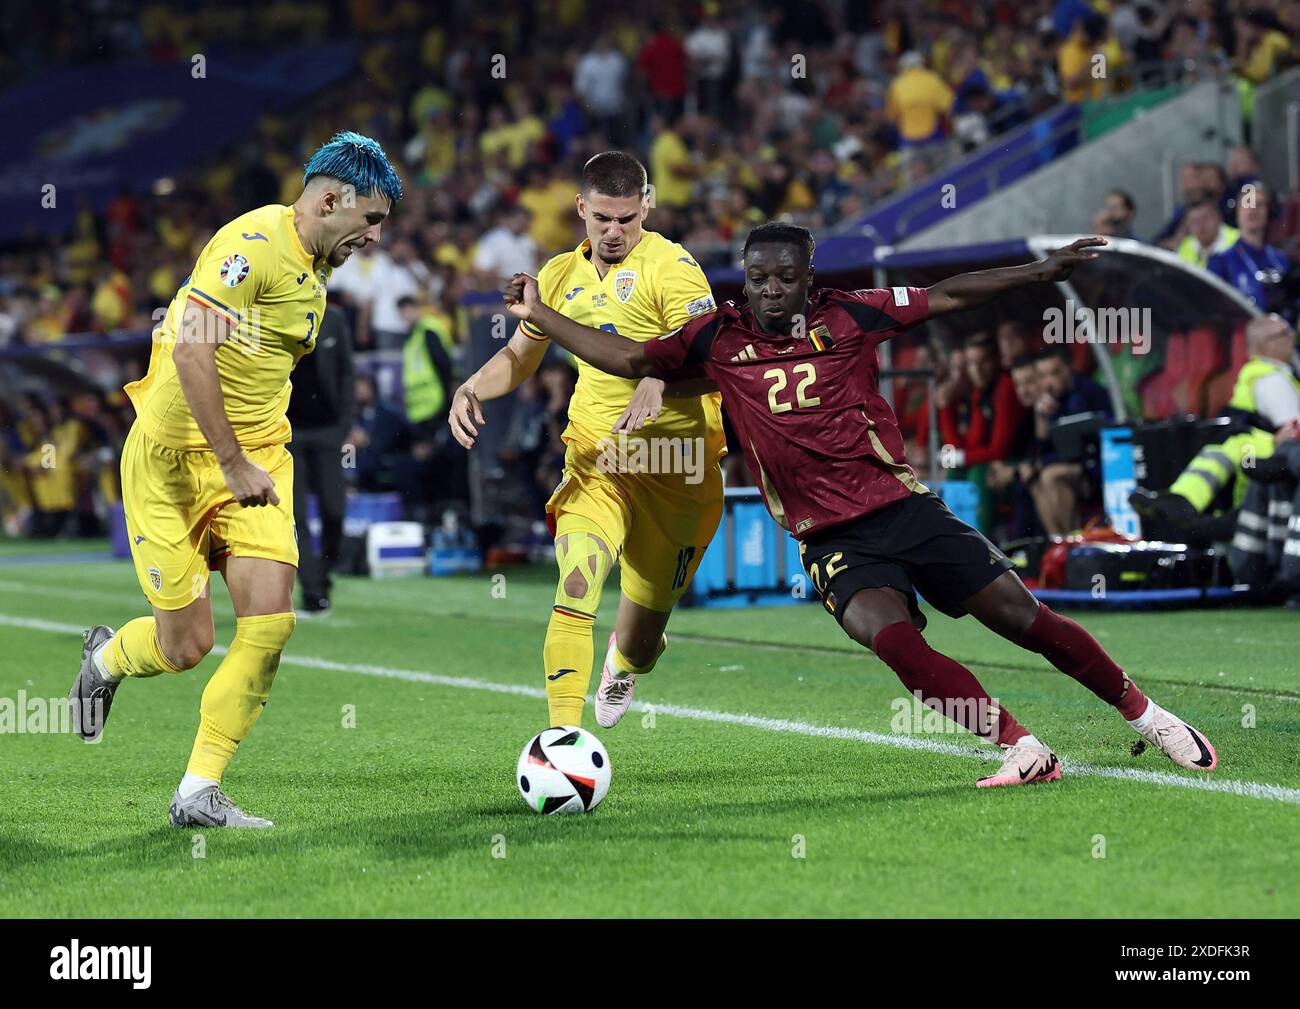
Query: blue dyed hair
point(359, 161)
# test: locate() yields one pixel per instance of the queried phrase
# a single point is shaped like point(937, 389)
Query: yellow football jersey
point(655, 290)
point(256, 274)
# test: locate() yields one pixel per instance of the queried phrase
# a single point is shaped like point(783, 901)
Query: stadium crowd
point(807, 111)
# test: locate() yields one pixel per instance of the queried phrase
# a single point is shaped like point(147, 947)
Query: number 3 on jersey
point(809, 372)
point(311, 331)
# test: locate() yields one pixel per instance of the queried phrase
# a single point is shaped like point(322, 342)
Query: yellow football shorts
point(657, 524)
point(182, 521)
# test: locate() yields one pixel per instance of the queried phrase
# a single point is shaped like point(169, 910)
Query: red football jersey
point(822, 443)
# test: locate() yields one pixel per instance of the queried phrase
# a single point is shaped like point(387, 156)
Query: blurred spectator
point(378, 434)
point(662, 62)
point(1115, 219)
point(1243, 169)
point(600, 83)
point(670, 168)
point(1206, 232)
point(983, 426)
point(1019, 471)
point(1063, 485)
point(435, 464)
point(918, 103)
point(322, 410)
point(375, 280)
point(1255, 268)
point(511, 134)
point(1088, 59)
point(1190, 189)
point(709, 50)
point(507, 249)
point(1262, 45)
point(1015, 340)
point(548, 198)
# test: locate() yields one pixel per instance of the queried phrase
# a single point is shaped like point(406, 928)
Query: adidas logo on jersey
point(748, 354)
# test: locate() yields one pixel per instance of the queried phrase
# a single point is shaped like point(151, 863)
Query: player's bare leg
point(262, 593)
point(1006, 606)
point(585, 560)
point(634, 648)
point(882, 620)
point(170, 641)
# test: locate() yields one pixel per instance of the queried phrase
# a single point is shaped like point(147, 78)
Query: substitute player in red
point(799, 371)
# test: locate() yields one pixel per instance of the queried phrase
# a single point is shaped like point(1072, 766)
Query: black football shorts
point(913, 545)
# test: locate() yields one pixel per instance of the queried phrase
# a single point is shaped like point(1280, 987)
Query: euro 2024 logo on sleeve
point(234, 270)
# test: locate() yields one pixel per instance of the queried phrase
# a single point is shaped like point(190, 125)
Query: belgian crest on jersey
point(624, 282)
point(820, 338)
point(234, 270)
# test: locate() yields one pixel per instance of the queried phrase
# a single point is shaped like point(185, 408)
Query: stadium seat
point(1219, 390)
point(1204, 357)
point(1158, 389)
point(1287, 224)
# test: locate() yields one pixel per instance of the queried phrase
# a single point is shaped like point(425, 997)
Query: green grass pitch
point(410, 811)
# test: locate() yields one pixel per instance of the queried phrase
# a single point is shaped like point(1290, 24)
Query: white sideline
point(1228, 786)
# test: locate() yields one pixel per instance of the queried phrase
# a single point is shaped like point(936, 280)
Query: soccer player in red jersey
point(798, 370)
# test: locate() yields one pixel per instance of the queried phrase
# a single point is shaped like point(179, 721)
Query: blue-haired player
point(206, 479)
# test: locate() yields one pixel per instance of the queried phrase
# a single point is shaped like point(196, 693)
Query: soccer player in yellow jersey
point(206, 478)
point(648, 495)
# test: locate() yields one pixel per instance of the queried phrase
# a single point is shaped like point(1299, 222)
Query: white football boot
point(1023, 765)
point(614, 695)
point(1175, 738)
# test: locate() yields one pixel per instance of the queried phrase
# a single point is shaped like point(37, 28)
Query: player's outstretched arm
point(970, 290)
point(195, 358)
point(648, 400)
point(609, 352)
point(502, 373)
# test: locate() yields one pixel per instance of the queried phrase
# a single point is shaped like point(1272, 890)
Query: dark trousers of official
point(318, 469)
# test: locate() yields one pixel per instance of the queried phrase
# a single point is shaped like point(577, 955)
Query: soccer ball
point(563, 769)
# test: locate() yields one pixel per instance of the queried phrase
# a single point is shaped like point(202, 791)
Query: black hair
point(780, 233)
point(1023, 361)
point(1125, 198)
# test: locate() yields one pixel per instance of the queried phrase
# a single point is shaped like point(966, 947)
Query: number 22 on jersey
point(780, 380)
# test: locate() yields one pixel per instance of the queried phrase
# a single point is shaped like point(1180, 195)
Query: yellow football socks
point(567, 655)
point(567, 652)
point(234, 697)
point(134, 651)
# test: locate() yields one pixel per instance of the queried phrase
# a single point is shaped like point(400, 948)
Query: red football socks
point(944, 684)
point(1075, 652)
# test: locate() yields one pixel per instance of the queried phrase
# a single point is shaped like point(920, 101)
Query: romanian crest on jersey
point(234, 270)
point(624, 282)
